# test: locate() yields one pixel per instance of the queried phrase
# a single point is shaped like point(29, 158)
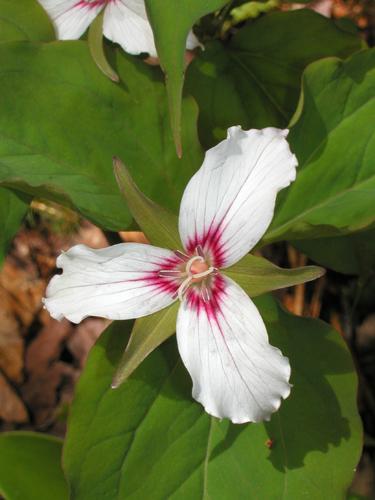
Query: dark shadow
point(311, 418)
point(232, 434)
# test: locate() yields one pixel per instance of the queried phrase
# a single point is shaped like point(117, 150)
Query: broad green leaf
point(24, 20)
point(254, 79)
point(159, 225)
point(257, 275)
point(335, 145)
point(30, 467)
point(171, 22)
point(147, 334)
point(349, 254)
point(148, 439)
point(13, 208)
point(96, 44)
point(59, 144)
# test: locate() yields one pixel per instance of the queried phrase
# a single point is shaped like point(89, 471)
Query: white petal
point(118, 282)
point(71, 18)
point(126, 23)
point(224, 345)
point(192, 41)
point(229, 203)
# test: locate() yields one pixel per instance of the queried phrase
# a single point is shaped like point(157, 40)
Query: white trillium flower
point(125, 22)
point(226, 208)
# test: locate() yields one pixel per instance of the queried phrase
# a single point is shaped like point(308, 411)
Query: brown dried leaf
point(20, 292)
point(11, 347)
point(89, 235)
point(46, 347)
point(42, 388)
point(133, 237)
point(12, 408)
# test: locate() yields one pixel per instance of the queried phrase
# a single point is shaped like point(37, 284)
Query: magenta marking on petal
point(90, 4)
point(164, 284)
point(212, 307)
point(211, 242)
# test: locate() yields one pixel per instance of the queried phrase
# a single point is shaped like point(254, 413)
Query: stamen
point(183, 287)
point(169, 273)
point(199, 251)
point(181, 255)
point(205, 293)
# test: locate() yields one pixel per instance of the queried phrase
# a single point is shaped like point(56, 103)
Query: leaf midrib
point(262, 87)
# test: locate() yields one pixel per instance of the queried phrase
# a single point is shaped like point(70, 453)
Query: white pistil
point(193, 276)
point(191, 262)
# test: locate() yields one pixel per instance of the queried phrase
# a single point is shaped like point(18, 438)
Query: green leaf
point(148, 439)
point(147, 334)
point(159, 225)
point(349, 254)
point(335, 146)
point(30, 467)
point(171, 22)
point(257, 275)
point(24, 20)
point(95, 41)
point(59, 144)
point(13, 208)
point(254, 79)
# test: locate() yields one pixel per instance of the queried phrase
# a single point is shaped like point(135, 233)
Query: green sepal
point(158, 224)
point(147, 334)
point(95, 41)
point(257, 275)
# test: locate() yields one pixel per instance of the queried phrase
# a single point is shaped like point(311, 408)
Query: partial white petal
point(126, 23)
point(192, 41)
point(224, 345)
point(118, 282)
point(229, 203)
point(71, 18)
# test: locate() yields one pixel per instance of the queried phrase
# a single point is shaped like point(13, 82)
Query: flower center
point(197, 269)
point(196, 272)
